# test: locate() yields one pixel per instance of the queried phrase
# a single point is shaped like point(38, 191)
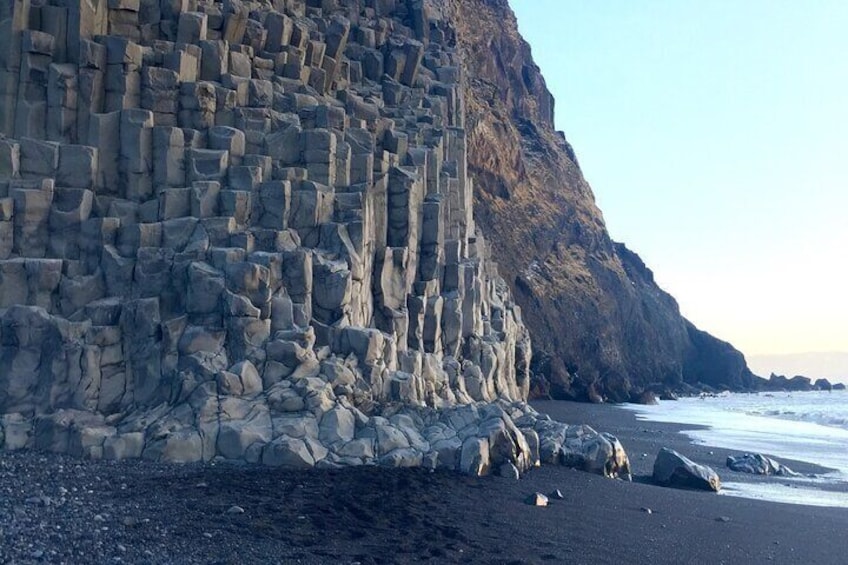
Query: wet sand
point(55, 509)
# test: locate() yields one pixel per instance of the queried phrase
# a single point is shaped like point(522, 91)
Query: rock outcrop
point(601, 326)
point(798, 383)
point(245, 230)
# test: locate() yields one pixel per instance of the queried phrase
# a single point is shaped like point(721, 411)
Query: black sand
point(135, 512)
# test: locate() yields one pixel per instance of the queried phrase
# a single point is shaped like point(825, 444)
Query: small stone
point(235, 510)
point(37, 554)
point(556, 495)
point(129, 521)
point(537, 499)
point(646, 510)
point(723, 519)
point(99, 518)
point(201, 485)
point(207, 535)
point(122, 548)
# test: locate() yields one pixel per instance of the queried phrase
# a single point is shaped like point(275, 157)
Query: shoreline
point(138, 512)
point(640, 436)
point(816, 486)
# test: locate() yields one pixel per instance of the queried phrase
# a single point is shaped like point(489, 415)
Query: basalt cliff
point(245, 230)
point(601, 326)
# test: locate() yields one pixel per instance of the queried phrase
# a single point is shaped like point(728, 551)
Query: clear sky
point(714, 134)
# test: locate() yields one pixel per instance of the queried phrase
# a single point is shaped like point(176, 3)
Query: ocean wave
point(823, 418)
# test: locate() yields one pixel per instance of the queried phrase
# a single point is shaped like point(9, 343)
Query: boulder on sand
point(758, 464)
point(674, 470)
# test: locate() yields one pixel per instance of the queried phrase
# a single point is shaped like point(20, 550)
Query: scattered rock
point(646, 510)
point(537, 499)
point(556, 495)
point(235, 510)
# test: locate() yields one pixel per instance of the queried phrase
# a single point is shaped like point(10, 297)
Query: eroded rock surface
point(245, 230)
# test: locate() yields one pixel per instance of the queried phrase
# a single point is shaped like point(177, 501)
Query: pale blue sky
point(714, 134)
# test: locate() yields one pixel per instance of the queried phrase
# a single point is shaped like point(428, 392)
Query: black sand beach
point(55, 509)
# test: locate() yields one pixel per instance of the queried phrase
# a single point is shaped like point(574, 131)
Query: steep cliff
point(245, 230)
point(600, 324)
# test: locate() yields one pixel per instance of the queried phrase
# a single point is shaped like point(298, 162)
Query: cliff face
point(240, 229)
point(600, 324)
point(245, 230)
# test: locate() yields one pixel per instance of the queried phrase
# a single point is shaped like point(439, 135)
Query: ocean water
point(804, 426)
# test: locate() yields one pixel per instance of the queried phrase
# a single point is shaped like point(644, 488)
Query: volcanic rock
point(674, 470)
point(758, 464)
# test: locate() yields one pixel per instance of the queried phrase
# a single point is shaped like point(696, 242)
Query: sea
point(801, 426)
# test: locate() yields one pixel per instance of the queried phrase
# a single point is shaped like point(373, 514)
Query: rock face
point(674, 470)
point(601, 326)
point(758, 464)
point(245, 230)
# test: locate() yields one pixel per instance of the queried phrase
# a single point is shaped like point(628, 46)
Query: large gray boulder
point(674, 470)
point(580, 447)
